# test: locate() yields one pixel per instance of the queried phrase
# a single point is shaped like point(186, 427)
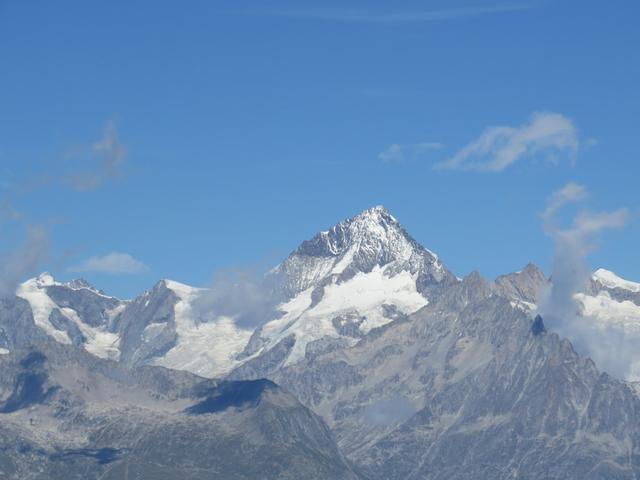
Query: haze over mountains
point(361, 355)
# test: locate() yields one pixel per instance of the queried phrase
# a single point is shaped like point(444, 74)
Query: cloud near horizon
point(112, 263)
point(545, 135)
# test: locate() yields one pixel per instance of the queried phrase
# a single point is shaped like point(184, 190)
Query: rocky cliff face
point(373, 239)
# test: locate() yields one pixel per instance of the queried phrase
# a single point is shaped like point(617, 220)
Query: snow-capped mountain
point(419, 374)
point(74, 313)
point(330, 292)
point(344, 282)
point(611, 300)
point(611, 281)
point(156, 328)
point(373, 239)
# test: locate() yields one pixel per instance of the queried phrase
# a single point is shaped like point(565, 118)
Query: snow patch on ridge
point(611, 280)
point(365, 293)
point(204, 348)
point(606, 311)
point(34, 292)
point(99, 341)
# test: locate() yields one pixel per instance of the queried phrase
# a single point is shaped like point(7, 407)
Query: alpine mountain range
point(360, 356)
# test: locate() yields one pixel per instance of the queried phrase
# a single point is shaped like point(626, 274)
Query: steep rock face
point(17, 328)
point(526, 285)
point(67, 415)
point(92, 306)
point(374, 238)
point(525, 406)
point(147, 326)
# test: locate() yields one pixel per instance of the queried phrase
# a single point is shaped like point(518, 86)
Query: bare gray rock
point(65, 414)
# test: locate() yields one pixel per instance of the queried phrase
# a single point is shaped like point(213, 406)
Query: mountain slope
point(417, 373)
point(361, 274)
point(464, 388)
point(67, 415)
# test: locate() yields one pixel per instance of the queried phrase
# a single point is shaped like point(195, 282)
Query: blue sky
point(193, 137)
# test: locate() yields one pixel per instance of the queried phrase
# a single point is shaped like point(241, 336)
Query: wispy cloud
point(390, 411)
point(398, 152)
point(547, 134)
point(570, 276)
point(112, 263)
point(571, 193)
point(102, 161)
point(378, 17)
point(22, 261)
point(245, 295)
point(91, 166)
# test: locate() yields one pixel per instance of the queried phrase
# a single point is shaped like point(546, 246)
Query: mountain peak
point(372, 226)
point(376, 213)
point(370, 239)
point(524, 285)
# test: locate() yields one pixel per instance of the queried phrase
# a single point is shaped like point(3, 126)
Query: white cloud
point(103, 161)
point(377, 17)
point(245, 295)
point(397, 152)
point(111, 263)
point(547, 134)
point(23, 260)
point(570, 193)
point(571, 275)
